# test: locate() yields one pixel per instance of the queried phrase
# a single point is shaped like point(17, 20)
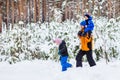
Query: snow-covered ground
point(49, 70)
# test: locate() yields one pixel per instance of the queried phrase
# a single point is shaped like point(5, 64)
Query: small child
point(62, 51)
point(88, 24)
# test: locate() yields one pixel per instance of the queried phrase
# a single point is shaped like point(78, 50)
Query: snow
point(50, 70)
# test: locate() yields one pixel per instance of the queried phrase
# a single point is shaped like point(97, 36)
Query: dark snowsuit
point(86, 49)
point(63, 56)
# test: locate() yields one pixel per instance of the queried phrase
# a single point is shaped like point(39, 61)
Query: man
point(85, 49)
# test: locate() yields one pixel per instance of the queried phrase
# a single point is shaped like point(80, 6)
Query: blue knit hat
point(83, 23)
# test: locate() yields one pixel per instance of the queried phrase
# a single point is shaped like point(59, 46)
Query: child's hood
point(63, 42)
point(90, 18)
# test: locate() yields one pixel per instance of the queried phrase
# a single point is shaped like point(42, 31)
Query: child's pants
point(89, 33)
point(64, 63)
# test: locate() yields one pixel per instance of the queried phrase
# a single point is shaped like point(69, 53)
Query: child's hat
point(57, 40)
point(87, 15)
point(83, 23)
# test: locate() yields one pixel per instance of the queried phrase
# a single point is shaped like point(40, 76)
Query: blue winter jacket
point(90, 25)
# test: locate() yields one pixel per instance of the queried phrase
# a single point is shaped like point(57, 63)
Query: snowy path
point(49, 70)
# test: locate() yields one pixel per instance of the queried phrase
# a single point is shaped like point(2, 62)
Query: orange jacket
point(84, 40)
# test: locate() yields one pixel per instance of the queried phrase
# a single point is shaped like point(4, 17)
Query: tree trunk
point(109, 8)
point(35, 18)
point(43, 10)
point(21, 9)
point(12, 13)
point(48, 11)
point(117, 8)
point(93, 3)
point(38, 10)
point(17, 17)
point(30, 11)
point(0, 18)
point(61, 1)
point(25, 7)
point(66, 12)
point(7, 10)
point(53, 3)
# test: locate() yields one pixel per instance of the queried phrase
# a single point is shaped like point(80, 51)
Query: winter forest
point(28, 27)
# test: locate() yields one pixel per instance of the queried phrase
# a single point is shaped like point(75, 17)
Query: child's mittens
point(59, 52)
point(85, 26)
